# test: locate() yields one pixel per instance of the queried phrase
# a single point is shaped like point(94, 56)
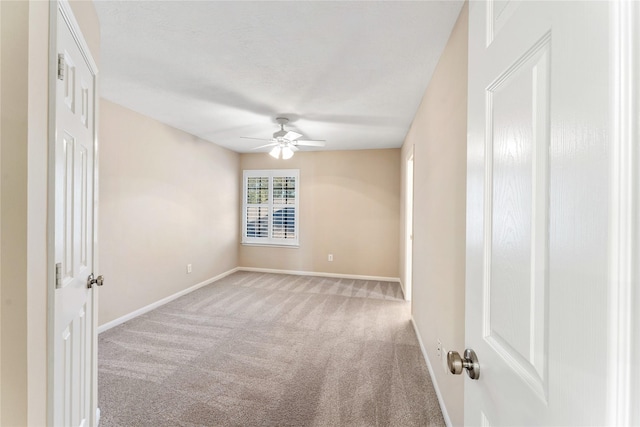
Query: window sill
point(271, 245)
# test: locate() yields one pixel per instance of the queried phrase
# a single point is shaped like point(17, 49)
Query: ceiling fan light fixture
point(287, 152)
point(275, 152)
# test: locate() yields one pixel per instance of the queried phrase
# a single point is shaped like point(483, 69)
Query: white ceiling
point(350, 72)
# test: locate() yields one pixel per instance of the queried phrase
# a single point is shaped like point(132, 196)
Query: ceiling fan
point(286, 142)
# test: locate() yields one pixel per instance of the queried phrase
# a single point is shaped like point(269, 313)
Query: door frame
point(408, 224)
point(65, 9)
point(624, 221)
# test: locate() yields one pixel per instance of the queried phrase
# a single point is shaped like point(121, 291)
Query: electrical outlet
point(439, 349)
point(330, 258)
point(189, 269)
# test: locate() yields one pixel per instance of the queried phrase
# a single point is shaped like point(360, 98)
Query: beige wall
point(167, 199)
point(13, 192)
point(349, 206)
point(438, 136)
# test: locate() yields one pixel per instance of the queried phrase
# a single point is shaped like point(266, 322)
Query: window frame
point(270, 174)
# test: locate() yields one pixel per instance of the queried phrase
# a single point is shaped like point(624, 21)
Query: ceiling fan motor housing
point(279, 134)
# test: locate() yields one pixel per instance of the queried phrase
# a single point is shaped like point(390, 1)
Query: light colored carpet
point(259, 349)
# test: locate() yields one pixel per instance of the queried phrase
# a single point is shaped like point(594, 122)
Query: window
point(270, 207)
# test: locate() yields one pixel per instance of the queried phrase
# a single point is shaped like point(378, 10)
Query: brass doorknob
point(469, 362)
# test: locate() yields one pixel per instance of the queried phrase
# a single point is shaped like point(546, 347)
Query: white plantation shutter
point(270, 207)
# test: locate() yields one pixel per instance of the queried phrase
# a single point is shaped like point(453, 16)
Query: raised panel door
point(536, 295)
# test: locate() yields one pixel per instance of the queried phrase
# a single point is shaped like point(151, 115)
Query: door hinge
point(58, 275)
point(61, 66)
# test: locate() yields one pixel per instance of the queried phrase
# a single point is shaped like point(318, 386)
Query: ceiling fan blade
point(292, 136)
point(259, 139)
point(311, 142)
point(293, 147)
point(266, 145)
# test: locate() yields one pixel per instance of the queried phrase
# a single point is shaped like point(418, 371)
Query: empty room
point(319, 213)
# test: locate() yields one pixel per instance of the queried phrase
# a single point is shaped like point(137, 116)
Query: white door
point(74, 342)
point(537, 197)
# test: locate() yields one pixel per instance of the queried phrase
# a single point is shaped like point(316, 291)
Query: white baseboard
point(320, 274)
point(161, 302)
point(443, 408)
